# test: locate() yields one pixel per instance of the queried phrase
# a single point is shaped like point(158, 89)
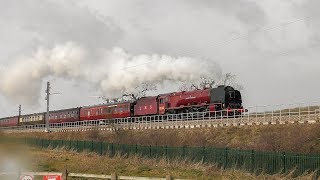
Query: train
point(222, 99)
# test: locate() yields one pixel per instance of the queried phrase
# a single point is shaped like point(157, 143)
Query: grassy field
point(297, 138)
point(16, 157)
point(303, 138)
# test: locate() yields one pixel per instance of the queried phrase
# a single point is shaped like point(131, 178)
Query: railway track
point(176, 121)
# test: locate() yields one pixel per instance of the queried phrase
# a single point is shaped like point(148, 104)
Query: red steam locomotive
point(208, 100)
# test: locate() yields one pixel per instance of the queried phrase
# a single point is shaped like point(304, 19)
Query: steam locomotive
point(222, 99)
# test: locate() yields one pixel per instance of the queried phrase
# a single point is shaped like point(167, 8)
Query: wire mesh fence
point(248, 160)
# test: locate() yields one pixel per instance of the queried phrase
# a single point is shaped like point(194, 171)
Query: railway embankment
point(298, 138)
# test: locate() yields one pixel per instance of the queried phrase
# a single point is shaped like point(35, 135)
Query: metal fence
point(66, 175)
point(280, 114)
point(248, 160)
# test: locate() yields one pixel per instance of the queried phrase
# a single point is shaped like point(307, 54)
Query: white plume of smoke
point(22, 80)
point(113, 72)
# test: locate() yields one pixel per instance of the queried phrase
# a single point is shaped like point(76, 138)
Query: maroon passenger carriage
point(107, 111)
point(64, 115)
point(9, 121)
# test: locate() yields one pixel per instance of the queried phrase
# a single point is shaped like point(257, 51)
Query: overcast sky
point(271, 46)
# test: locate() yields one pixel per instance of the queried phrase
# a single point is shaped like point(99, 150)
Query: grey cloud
point(310, 10)
point(58, 22)
point(196, 28)
point(246, 11)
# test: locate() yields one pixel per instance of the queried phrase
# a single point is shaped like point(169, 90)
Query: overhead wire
point(239, 37)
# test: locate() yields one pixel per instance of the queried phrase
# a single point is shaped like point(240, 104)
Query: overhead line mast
point(48, 105)
point(19, 110)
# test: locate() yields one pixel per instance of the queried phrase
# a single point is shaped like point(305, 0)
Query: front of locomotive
point(233, 99)
point(227, 98)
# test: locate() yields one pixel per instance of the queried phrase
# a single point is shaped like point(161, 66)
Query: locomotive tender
point(222, 98)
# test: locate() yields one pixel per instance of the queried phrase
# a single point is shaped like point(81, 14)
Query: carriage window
point(120, 109)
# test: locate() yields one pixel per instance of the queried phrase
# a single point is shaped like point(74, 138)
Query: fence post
point(66, 174)
point(101, 148)
point(112, 153)
point(204, 154)
point(184, 151)
point(136, 149)
point(150, 151)
point(91, 146)
point(252, 161)
point(166, 148)
point(284, 162)
point(226, 158)
point(168, 177)
point(77, 145)
point(114, 176)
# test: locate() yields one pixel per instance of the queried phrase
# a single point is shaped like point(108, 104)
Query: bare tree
point(202, 83)
point(184, 87)
point(140, 91)
point(228, 79)
point(206, 83)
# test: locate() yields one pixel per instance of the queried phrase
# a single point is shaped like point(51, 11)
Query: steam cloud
point(112, 71)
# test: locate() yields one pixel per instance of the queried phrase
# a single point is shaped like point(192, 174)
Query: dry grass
point(303, 138)
point(60, 159)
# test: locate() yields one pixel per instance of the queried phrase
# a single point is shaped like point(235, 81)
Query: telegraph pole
point(19, 111)
point(48, 103)
point(19, 120)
